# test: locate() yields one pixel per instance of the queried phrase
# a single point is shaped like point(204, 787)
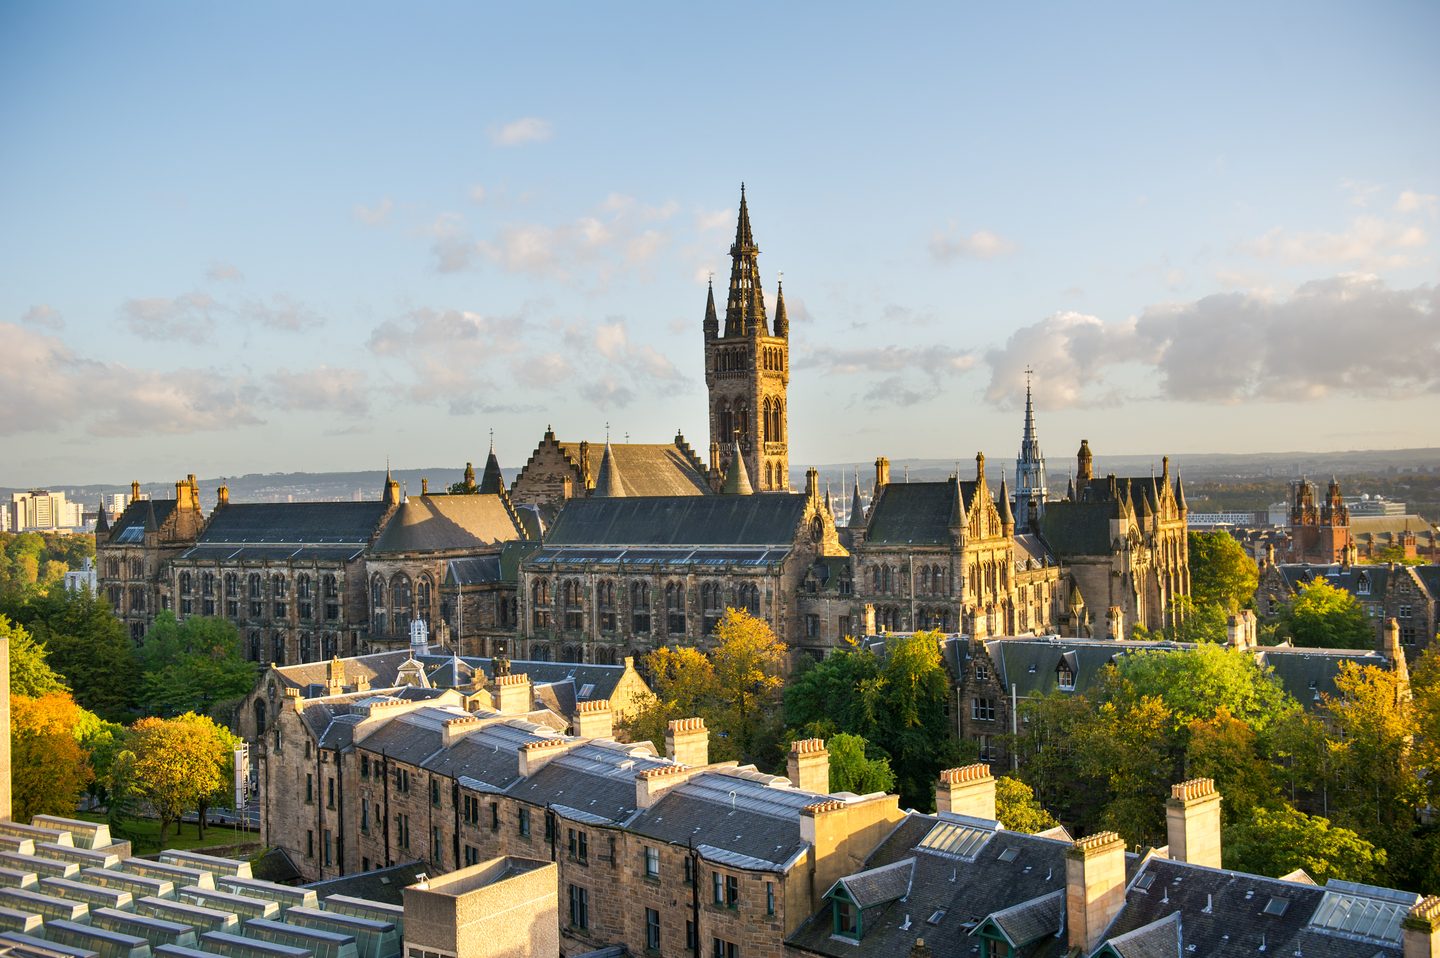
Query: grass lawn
point(144, 834)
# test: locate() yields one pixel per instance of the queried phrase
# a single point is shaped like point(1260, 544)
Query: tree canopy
point(894, 700)
point(29, 673)
point(85, 643)
point(175, 765)
point(1276, 842)
point(1196, 683)
point(1325, 617)
point(191, 666)
point(1221, 573)
point(49, 769)
point(854, 769)
point(1017, 809)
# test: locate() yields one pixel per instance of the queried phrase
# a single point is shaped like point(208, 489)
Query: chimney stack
point(512, 694)
point(687, 741)
point(222, 496)
point(812, 482)
point(1422, 929)
point(651, 783)
point(1094, 888)
point(882, 474)
point(593, 719)
point(869, 618)
point(967, 791)
point(534, 754)
point(808, 765)
point(1192, 822)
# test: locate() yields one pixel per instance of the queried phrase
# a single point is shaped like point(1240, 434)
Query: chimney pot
point(808, 765)
point(1192, 822)
point(1094, 888)
point(687, 741)
point(969, 790)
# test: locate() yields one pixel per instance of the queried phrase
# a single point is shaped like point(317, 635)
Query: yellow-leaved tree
point(176, 765)
point(49, 769)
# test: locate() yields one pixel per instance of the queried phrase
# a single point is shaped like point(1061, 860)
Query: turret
point(737, 480)
point(391, 494)
point(102, 522)
point(712, 321)
point(1085, 462)
point(1007, 518)
point(782, 319)
point(607, 484)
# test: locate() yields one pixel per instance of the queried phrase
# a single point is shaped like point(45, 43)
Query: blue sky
point(263, 237)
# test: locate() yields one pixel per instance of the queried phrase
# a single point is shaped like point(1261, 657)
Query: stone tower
point(747, 370)
point(1030, 488)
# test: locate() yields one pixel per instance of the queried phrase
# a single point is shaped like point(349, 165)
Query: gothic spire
point(745, 306)
point(1007, 518)
point(712, 322)
point(1180, 495)
point(782, 321)
point(102, 523)
point(492, 482)
point(1030, 483)
point(857, 507)
point(607, 484)
point(737, 480)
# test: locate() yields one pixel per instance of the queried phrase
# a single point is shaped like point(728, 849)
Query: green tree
point(1425, 691)
point(1130, 747)
point(191, 666)
point(1046, 744)
point(175, 765)
point(49, 769)
point(86, 644)
point(29, 674)
point(1376, 782)
point(1222, 575)
point(1017, 809)
point(1226, 749)
point(1195, 684)
point(749, 663)
point(853, 769)
point(1322, 616)
point(1277, 841)
point(822, 697)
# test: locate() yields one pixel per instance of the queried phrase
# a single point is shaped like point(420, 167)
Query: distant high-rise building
point(41, 510)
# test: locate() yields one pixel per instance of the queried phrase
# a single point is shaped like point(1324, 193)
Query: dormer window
point(1065, 677)
point(1362, 584)
point(845, 916)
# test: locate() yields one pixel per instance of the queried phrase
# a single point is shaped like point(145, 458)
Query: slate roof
point(916, 513)
point(386, 885)
point(1032, 920)
point(1308, 674)
point(489, 755)
point(1389, 525)
point(129, 526)
point(592, 779)
point(646, 469)
point(1373, 579)
point(473, 570)
point(1159, 939)
point(768, 519)
point(876, 886)
point(741, 817)
point(448, 523)
point(949, 896)
point(1077, 528)
point(1223, 913)
point(293, 523)
point(381, 668)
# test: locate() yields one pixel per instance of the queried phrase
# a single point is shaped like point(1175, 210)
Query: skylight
point(1276, 906)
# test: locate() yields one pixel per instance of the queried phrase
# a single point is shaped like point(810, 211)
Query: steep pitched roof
point(919, 513)
point(646, 469)
point(129, 527)
point(446, 523)
point(769, 519)
point(1078, 528)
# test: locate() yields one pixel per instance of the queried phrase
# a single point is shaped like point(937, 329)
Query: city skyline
point(263, 239)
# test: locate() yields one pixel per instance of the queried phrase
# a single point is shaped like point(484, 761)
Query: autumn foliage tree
point(49, 769)
point(175, 765)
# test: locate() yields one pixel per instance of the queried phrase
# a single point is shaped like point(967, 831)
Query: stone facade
point(132, 552)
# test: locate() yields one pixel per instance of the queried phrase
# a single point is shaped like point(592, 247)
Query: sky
point(271, 237)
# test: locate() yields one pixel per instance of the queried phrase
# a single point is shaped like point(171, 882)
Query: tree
point(749, 663)
point(1425, 689)
point(86, 644)
point(176, 765)
point(1195, 684)
point(1221, 574)
point(191, 666)
point(1276, 842)
point(1375, 778)
point(1324, 617)
point(908, 700)
point(1130, 747)
point(1226, 749)
point(1017, 809)
point(823, 696)
point(29, 674)
point(852, 769)
point(48, 768)
point(735, 688)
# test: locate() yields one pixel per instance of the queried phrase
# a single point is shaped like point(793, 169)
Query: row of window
point(715, 598)
point(328, 646)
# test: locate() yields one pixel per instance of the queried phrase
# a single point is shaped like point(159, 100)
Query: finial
point(742, 189)
point(711, 280)
point(492, 438)
point(781, 275)
point(607, 430)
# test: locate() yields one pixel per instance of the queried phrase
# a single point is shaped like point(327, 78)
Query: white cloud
point(1412, 202)
point(891, 370)
point(47, 382)
point(223, 272)
point(324, 389)
point(1369, 243)
point(281, 312)
point(1238, 346)
point(477, 193)
point(981, 244)
point(452, 356)
point(376, 215)
point(518, 132)
point(710, 220)
point(43, 316)
point(189, 317)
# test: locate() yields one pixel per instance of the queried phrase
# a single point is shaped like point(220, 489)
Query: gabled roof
point(448, 523)
point(1078, 528)
point(1029, 921)
point(877, 886)
point(768, 519)
point(1161, 938)
point(129, 527)
point(919, 513)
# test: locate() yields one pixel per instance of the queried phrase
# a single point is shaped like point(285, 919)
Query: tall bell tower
point(747, 370)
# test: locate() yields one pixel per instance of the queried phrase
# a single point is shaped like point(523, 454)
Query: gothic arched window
point(675, 608)
point(540, 603)
point(605, 603)
point(402, 597)
point(424, 591)
point(712, 605)
point(640, 607)
point(572, 596)
point(748, 597)
point(184, 583)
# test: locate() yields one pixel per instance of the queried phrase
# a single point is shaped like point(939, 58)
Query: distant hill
point(1215, 467)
